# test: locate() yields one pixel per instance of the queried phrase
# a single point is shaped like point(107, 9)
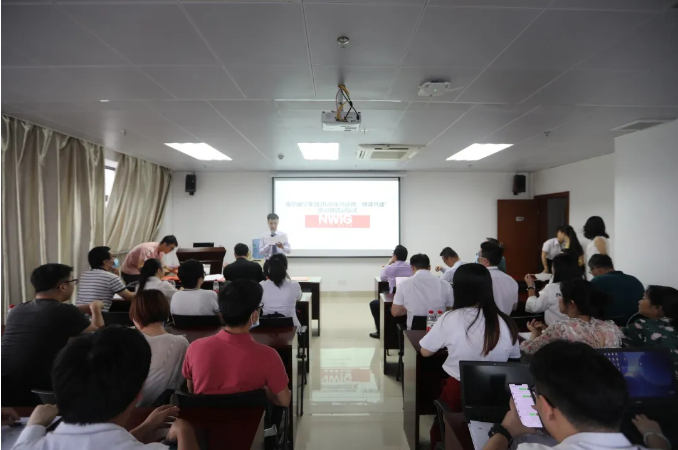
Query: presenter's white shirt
point(195, 302)
point(450, 331)
point(283, 299)
point(448, 273)
point(421, 293)
point(588, 441)
point(162, 286)
point(266, 250)
point(547, 302)
point(552, 248)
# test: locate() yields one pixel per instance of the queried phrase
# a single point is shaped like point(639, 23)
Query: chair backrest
point(275, 321)
point(120, 306)
point(418, 323)
point(441, 409)
point(117, 318)
point(239, 400)
point(195, 321)
point(46, 397)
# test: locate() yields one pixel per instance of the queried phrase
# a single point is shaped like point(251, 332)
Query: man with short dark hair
point(136, 257)
point(241, 268)
point(502, 264)
point(97, 382)
point(192, 300)
point(396, 267)
point(273, 241)
point(625, 290)
point(101, 282)
point(580, 397)
point(552, 248)
point(451, 260)
point(504, 287)
point(232, 361)
point(38, 329)
point(422, 292)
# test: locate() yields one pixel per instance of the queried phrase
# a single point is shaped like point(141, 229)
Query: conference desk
point(388, 335)
point(304, 309)
point(312, 285)
point(284, 341)
point(232, 428)
point(457, 434)
point(380, 286)
point(422, 384)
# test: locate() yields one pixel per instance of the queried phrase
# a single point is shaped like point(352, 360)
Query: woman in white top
point(149, 311)
point(475, 329)
point(565, 267)
point(280, 293)
point(594, 231)
point(150, 278)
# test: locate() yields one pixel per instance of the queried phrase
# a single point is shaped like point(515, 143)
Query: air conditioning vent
point(385, 152)
point(643, 124)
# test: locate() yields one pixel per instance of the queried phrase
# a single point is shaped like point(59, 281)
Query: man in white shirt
point(504, 287)
point(580, 397)
point(193, 301)
point(451, 260)
point(97, 380)
point(274, 241)
point(422, 292)
point(552, 248)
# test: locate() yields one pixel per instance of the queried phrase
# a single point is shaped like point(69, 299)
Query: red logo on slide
point(337, 221)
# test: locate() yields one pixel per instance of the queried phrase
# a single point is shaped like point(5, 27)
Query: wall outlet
point(342, 282)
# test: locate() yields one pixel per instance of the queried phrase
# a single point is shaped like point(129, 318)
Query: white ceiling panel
point(14, 58)
point(253, 33)
point(192, 116)
point(499, 3)
point(126, 27)
point(559, 39)
point(423, 123)
point(195, 82)
point(618, 5)
point(272, 82)
point(408, 80)
point(378, 34)
point(443, 37)
point(41, 84)
point(657, 88)
point(368, 82)
point(113, 83)
point(507, 85)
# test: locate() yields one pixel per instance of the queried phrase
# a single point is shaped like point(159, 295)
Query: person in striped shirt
point(102, 281)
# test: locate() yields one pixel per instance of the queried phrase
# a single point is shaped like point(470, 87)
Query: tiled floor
point(350, 403)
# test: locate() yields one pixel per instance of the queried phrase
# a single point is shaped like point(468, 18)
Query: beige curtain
point(52, 203)
point(137, 203)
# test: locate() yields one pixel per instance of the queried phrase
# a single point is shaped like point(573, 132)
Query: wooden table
point(388, 330)
point(284, 341)
point(422, 380)
point(304, 313)
point(457, 435)
point(380, 286)
point(312, 285)
point(233, 428)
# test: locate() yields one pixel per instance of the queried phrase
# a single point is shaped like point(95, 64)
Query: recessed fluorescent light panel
point(478, 151)
point(200, 151)
point(320, 151)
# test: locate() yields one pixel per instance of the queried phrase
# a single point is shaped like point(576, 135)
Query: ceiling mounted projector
point(436, 88)
point(349, 121)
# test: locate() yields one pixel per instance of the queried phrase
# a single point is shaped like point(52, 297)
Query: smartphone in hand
point(522, 397)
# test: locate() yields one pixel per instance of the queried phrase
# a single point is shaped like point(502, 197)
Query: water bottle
point(440, 313)
point(215, 286)
point(430, 321)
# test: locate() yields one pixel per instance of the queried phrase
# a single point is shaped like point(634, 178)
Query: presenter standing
point(273, 241)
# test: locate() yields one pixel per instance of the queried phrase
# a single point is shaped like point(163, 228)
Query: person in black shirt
point(241, 268)
point(37, 330)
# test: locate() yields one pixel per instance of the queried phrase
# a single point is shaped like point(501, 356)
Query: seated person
point(193, 301)
point(451, 260)
point(38, 329)
point(657, 323)
point(422, 292)
point(232, 361)
point(505, 288)
point(149, 312)
point(564, 267)
point(624, 290)
point(97, 382)
point(241, 268)
point(581, 399)
point(581, 303)
point(501, 265)
point(101, 282)
point(151, 278)
point(397, 267)
point(280, 293)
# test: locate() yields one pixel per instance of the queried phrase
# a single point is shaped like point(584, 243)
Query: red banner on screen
point(337, 221)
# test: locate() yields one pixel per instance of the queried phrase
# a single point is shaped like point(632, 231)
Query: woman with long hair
point(564, 267)
point(573, 247)
point(150, 277)
point(281, 294)
point(474, 330)
point(594, 231)
point(582, 304)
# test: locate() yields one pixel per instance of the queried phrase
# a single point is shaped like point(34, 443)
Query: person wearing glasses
point(37, 330)
point(101, 282)
point(581, 399)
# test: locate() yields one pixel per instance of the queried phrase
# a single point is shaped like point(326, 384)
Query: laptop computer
point(485, 392)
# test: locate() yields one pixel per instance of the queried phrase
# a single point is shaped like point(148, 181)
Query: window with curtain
point(109, 178)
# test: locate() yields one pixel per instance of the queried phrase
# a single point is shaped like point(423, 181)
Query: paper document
point(479, 432)
point(273, 240)
point(542, 276)
point(525, 335)
point(216, 277)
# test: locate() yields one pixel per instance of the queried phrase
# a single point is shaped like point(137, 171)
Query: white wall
point(591, 186)
point(437, 210)
point(646, 205)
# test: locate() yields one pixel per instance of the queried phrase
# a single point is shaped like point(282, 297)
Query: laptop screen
point(648, 372)
point(485, 384)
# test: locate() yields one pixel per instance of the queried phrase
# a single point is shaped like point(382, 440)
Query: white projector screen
point(339, 217)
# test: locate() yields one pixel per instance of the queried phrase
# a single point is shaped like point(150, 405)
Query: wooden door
point(517, 229)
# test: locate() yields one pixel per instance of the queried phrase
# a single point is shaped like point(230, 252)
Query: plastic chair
point(46, 397)
point(117, 318)
point(181, 321)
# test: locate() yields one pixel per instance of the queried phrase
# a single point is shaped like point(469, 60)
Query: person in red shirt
point(232, 361)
